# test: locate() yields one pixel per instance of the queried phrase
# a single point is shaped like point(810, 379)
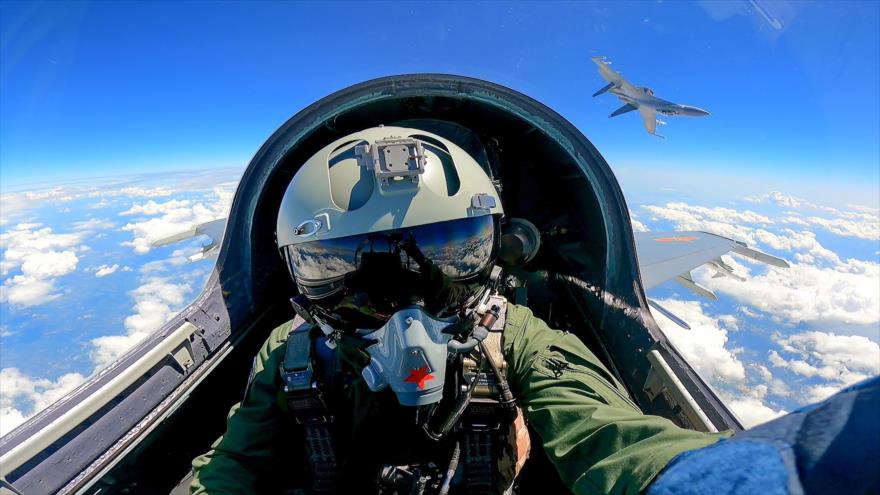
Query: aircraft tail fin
point(622, 110)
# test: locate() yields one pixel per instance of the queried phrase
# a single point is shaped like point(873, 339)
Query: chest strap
point(306, 404)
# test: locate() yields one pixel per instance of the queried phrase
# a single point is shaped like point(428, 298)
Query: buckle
point(304, 398)
point(297, 380)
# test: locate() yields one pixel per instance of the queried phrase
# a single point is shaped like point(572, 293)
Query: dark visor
point(440, 264)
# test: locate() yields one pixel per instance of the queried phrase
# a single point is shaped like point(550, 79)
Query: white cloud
point(778, 198)
point(721, 222)
point(863, 228)
point(752, 411)
point(153, 208)
point(847, 292)
point(21, 396)
point(94, 224)
point(10, 418)
point(156, 302)
point(140, 192)
point(818, 393)
point(837, 360)
point(744, 226)
point(818, 288)
point(790, 240)
point(638, 226)
point(704, 345)
point(846, 359)
point(821, 289)
point(861, 221)
point(27, 291)
point(49, 264)
point(683, 212)
point(105, 270)
point(175, 216)
point(41, 256)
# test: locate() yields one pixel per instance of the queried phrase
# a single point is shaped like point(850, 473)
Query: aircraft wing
point(649, 118)
point(667, 256)
point(613, 77)
point(213, 229)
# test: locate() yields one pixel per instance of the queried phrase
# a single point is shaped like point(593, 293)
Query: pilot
point(408, 368)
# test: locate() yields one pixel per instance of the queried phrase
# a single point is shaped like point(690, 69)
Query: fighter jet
point(640, 98)
point(135, 426)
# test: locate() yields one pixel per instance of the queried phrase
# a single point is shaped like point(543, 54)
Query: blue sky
point(102, 88)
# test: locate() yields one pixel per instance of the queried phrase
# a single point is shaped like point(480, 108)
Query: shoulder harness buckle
point(303, 395)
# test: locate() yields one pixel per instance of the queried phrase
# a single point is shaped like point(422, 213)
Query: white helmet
point(387, 217)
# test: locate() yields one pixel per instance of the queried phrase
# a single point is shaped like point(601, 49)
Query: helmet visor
point(442, 265)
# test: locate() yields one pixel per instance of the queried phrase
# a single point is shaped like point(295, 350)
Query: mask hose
point(456, 412)
point(506, 400)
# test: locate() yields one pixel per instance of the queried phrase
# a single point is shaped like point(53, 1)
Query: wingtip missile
point(741, 249)
point(669, 314)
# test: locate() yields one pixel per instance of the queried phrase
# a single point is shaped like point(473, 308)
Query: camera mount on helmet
point(393, 159)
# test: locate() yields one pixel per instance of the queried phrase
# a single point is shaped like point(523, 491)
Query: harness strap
point(493, 449)
point(306, 404)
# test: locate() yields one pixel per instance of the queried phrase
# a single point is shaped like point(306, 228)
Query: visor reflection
point(459, 248)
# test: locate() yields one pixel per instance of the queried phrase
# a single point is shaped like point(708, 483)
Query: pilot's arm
point(246, 458)
point(596, 437)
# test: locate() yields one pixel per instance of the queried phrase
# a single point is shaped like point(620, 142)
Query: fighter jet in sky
point(640, 98)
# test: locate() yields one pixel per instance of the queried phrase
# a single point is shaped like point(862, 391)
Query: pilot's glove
point(829, 447)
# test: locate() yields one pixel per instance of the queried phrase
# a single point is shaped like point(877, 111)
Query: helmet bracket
point(393, 159)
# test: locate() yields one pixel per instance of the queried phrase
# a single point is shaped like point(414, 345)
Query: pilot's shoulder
point(522, 318)
point(517, 315)
point(525, 330)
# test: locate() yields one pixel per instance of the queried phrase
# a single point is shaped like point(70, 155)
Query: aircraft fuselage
point(643, 98)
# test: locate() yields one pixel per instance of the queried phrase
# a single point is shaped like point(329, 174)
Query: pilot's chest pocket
point(553, 363)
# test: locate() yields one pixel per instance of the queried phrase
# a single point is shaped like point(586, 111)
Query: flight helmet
point(387, 218)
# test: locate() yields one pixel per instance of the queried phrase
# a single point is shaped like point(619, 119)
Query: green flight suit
point(595, 436)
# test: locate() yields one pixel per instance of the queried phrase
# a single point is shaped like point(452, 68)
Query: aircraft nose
point(694, 111)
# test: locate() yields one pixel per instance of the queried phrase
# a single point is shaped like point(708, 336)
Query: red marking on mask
point(419, 376)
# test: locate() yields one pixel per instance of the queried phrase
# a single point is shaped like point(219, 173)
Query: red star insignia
point(419, 376)
point(676, 239)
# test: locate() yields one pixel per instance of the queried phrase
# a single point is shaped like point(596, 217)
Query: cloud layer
point(172, 217)
point(40, 256)
point(706, 347)
point(22, 396)
point(822, 290)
